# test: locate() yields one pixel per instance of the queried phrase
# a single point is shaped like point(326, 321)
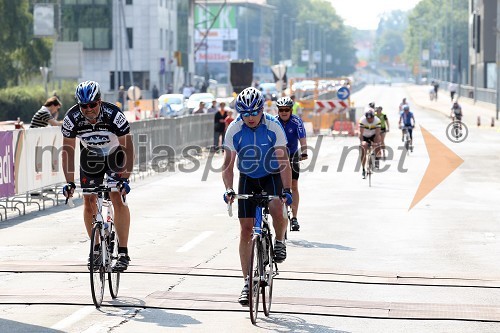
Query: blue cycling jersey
point(294, 130)
point(255, 146)
point(407, 118)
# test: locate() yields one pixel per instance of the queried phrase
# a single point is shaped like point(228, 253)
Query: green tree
point(319, 19)
point(21, 55)
point(437, 26)
point(389, 44)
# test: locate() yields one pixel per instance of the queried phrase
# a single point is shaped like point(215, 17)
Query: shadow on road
point(165, 318)
point(309, 245)
point(290, 323)
point(15, 326)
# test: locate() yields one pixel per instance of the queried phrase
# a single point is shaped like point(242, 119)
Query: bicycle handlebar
point(96, 190)
point(266, 197)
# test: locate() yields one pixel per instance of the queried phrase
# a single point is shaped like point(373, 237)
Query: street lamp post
point(497, 60)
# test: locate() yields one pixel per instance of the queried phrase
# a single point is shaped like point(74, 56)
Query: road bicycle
point(456, 127)
point(406, 139)
point(369, 163)
point(262, 267)
point(104, 245)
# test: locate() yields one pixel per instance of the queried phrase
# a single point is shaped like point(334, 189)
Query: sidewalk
point(419, 95)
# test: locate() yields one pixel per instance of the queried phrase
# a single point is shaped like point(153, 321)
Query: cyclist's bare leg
point(246, 226)
point(122, 218)
point(382, 145)
point(364, 147)
point(89, 210)
point(295, 197)
point(280, 223)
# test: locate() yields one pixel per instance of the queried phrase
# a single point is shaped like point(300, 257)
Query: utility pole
point(451, 43)
point(498, 59)
point(476, 35)
point(419, 77)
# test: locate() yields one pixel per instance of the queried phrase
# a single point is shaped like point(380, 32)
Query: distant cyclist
point(106, 150)
point(403, 103)
point(384, 128)
point(295, 133)
point(259, 142)
point(456, 112)
point(369, 133)
point(407, 120)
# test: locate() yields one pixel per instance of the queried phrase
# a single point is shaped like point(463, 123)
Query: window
point(161, 39)
point(88, 21)
point(128, 2)
point(130, 38)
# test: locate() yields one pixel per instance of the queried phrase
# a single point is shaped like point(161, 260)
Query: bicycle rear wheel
point(255, 270)
point(268, 270)
point(369, 170)
point(97, 269)
point(113, 277)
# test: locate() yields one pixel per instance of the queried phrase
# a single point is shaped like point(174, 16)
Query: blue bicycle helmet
point(88, 91)
point(406, 107)
point(250, 99)
point(284, 102)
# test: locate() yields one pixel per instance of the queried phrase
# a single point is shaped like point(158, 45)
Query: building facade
point(139, 42)
point(482, 43)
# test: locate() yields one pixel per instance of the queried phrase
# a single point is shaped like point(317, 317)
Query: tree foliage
point(319, 19)
point(21, 54)
point(435, 25)
point(389, 44)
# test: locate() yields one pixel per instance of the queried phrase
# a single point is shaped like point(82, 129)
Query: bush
point(24, 101)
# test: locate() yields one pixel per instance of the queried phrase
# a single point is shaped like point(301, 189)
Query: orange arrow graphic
point(442, 163)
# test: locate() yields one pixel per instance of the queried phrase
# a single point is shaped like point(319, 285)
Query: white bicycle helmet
point(250, 99)
point(284, 102)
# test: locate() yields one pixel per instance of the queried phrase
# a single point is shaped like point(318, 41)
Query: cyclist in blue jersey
point(259, 141)
point(295, 133)
point(406, 119)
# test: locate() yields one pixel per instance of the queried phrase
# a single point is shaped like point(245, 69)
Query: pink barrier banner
point(6, 165)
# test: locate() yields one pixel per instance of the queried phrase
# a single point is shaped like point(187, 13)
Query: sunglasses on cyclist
point(248, 114)
point(90, 105)
point(284, 110)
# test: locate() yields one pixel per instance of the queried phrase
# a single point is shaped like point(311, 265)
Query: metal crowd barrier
point(36, 156)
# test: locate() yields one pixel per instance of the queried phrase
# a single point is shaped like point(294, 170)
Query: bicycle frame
point(262, 267)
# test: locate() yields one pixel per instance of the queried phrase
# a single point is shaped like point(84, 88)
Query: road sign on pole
point(343, 93)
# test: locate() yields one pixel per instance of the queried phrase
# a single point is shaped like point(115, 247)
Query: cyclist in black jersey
point(106, 149)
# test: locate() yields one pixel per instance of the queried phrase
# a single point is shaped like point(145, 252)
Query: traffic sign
point(343, 93)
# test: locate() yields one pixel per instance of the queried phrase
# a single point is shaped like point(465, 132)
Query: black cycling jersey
point(100, 138)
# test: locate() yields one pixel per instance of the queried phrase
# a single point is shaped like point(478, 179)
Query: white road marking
point(95, 329)
point(192, 243)
point(75, 317)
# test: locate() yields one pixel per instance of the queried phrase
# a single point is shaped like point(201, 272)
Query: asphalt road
point(363, 261)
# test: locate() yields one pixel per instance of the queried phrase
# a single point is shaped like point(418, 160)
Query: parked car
point(177, 103)
point(269, 90)
point(194, 101)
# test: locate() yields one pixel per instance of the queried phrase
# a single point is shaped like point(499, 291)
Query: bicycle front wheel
point(113, 277)
point(369, 170)
point(97, 269)
point(268, 270)
point(255, 270)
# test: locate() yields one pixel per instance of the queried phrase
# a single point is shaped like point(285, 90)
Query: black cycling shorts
point(294, 164)
point(93, 167)
point(369, 139)
point(270, 184)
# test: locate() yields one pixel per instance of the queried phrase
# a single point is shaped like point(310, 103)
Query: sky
point(365, 14)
